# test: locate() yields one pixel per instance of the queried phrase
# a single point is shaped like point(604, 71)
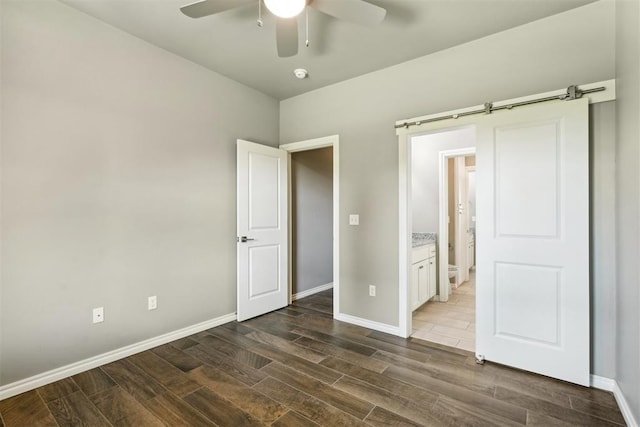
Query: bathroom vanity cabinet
point(423, 274)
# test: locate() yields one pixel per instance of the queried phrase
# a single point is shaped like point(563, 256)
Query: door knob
point(245, 239)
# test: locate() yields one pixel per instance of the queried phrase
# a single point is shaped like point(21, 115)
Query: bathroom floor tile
point(451, 323)
point(422, 325)
point(437, 338)
point(469, 345)
point(453, 332)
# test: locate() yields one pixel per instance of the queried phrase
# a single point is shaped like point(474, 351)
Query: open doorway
point(265, 230)
point(314, 184)
point(311, 205)
point(443, 237)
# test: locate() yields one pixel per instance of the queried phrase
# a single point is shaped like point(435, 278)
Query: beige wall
point(118, 182)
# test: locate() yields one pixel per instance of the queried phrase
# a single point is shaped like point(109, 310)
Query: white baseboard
point(608, 384)
point(602, 383)
point(57, 374)
point(311, 291)
point(624, 406)
point(370, 324)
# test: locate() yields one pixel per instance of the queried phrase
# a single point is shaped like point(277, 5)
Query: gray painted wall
point(544, 55)
point(118, 182)
point(425, 173)
point(628, 201)
point(312, 218)
point(602, 148)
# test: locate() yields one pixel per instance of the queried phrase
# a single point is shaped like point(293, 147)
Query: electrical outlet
point(372, 291)
point(354, 219)
point(152, 303)
point(98, 315)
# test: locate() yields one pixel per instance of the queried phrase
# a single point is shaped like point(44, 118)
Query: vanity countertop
point(422, 239)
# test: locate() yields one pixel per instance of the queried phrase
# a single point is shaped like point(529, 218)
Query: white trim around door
point(312, 144)
point(443, 213)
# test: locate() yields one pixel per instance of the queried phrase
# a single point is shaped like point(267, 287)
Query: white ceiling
point(231, 43)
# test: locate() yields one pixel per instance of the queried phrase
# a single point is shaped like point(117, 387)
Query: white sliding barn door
point(533, 239)
point(262, 229)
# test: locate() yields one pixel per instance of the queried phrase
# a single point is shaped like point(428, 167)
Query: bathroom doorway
point(532, 304)
point(443, 231)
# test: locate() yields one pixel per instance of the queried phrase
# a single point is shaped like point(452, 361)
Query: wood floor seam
point(51, 414)
point(369, 413)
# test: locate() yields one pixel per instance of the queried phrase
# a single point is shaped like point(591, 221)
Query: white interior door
point(262, 229)
point(533, 239)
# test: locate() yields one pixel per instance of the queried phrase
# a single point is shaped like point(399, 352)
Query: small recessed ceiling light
point(301, 73)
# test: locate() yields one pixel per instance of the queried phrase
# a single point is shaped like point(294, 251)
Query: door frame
point(443, 211)
point(313, 144)
point(460, 229)
point(405, 217)
point(468, 170)
point(424, 125)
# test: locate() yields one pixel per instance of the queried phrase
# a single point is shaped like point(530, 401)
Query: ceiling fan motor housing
point(300, 73)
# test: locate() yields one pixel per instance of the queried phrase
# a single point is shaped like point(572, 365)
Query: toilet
point(454, 274)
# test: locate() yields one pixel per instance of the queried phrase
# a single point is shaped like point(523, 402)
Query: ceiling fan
point(356, 11)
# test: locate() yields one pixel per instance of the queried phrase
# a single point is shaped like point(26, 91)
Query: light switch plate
point(354, 219)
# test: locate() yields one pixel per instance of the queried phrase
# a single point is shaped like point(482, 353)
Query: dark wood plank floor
point(299, 367)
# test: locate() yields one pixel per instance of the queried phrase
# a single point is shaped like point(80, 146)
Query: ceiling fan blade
point(211, 7)
point(287, 37)
point(356, 11)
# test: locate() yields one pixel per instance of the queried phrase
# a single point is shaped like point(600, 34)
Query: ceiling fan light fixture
point(285, 8)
